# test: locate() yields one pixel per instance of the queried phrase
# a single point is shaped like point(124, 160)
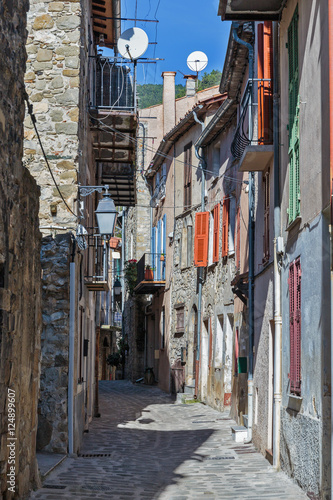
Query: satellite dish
point(133, 43)
point(197, 61)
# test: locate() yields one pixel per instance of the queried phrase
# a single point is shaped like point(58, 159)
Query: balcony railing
point(151, 267)
point(255, 125)
point(112, 84)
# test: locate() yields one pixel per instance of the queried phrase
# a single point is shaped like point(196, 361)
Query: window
point(225, 226)
point(186, 246)
point(163, 328)
point(294, 181)
point(216, 236)
point(266, 187)
point(180, 318)
point(188, 176)
point(295, 325)
point(201, 239)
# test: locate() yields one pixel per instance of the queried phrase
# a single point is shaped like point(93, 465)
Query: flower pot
point(162, 257)
point(149, 275)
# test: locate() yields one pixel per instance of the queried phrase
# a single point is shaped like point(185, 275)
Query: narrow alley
point(145, 446)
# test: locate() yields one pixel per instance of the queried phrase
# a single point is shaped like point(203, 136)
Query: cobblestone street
point(145, 447)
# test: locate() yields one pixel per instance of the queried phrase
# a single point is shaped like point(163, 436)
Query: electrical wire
point(33, 119)
point(166, 156)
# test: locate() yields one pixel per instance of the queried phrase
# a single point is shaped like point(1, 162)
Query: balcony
point(114, 121)
point(250, 10)
point(98, 263)
point(151, 273)
point(253, 141)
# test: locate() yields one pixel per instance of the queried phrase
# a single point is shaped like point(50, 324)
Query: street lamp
point(106, 215)
point(117, 287)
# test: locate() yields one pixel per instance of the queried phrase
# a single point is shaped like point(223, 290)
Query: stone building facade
point(58, 82)
point(20, 270)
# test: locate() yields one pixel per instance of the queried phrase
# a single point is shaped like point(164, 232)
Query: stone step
point(189, 389)
point(239, 433)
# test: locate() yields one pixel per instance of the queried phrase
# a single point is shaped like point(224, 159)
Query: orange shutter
point(268, 89)
point(216, 233)
point(225, 226)
point(201, 239)
point(260, 34)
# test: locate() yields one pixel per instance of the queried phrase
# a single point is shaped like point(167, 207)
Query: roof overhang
point(250, 10)
point(105, 14)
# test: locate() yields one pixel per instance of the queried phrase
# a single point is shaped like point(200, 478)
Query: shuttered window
point(295, 325)
point(225, 226)
point(216, 238)
point(294, 181)
point(188, 176)
point(265, 83)
point(201, 239)
point(266, 187)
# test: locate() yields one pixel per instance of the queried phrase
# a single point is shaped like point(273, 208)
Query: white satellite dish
point(133, 43)
point(197, 61)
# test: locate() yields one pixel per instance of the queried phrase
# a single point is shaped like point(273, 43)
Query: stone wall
point(52, 419)
point(20, 318)
point(52, 82)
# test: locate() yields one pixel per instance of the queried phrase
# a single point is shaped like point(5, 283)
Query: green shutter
point(294, 185)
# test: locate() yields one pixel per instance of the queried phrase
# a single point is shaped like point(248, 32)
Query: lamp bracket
point(88, 190)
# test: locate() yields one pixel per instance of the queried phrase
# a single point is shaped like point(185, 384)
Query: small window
point(295, 326)
point(180, 320)
point(188, 176)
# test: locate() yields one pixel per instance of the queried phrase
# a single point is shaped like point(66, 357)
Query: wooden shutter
point(188, 176)
point(266, 217)
point(201, 239)
point(238, 238)
point(265, 72)
point(260, 71)
point(225, 226)
point(216, 215)
point(295, 325)
point(294, 185)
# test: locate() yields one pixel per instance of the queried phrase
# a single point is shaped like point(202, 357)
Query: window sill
point(294, 402)
point(294, 223)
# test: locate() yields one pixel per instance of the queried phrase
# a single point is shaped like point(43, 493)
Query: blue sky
point(184, 26)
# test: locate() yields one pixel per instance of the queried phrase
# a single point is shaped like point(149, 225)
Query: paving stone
point(168, 457)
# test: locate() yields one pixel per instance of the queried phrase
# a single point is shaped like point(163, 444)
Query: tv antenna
point(197, 61)
point(132, 43)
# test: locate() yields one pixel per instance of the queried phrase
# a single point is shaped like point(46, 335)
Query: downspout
point(330, 66)
point(72, 295)
point(277, 376)
point(202, 164)
point(251, 250)
point(116, 21)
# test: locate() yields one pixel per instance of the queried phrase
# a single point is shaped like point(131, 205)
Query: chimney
point(169, 104)
point(191, 84)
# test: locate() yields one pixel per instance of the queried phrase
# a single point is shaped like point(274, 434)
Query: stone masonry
point(52, 419)
point(20, 317)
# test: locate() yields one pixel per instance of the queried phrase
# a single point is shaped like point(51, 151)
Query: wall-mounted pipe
point(277, 376)
point(251, 252)
point(202, 164)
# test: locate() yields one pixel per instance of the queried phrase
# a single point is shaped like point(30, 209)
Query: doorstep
point(48, 461)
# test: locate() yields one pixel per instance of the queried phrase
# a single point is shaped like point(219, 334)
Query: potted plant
point(149, 273)
point(162, 257)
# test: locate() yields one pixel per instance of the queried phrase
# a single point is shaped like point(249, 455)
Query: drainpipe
point(330, 65)
point(71, 358)
point(251, 251)
point(202, 164)
point(277, 376)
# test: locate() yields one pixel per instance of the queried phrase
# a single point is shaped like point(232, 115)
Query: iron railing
point(111, 84)
point(151, 267)
point(255, 125)
point(159, 193)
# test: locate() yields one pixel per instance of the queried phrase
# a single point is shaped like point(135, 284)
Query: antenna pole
point(135, 70)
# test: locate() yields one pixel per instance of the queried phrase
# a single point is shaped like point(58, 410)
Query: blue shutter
point(164, 246)
point(153, 247)
point(159, 243)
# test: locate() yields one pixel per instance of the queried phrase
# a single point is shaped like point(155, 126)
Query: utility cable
point(33, 119)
